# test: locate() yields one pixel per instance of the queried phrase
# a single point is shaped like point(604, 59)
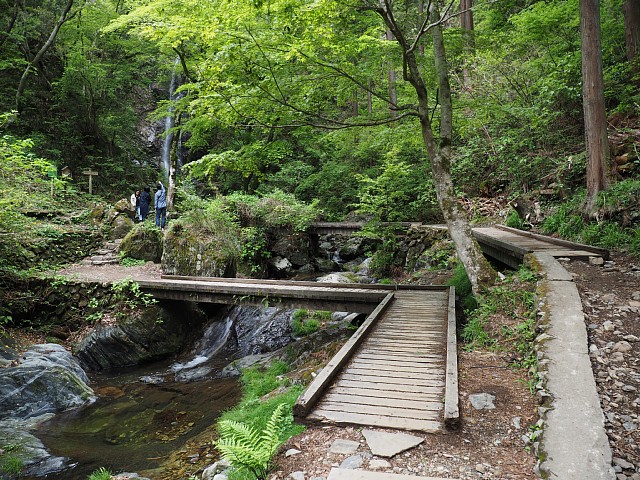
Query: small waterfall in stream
point(169, 123)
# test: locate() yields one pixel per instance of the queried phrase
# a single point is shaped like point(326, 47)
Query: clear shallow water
point(134, 426)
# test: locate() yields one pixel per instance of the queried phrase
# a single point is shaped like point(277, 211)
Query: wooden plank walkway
point(510, 245)
point(335, 297)
point(395, 372)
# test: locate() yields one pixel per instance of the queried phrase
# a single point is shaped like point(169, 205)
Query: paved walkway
point(574, 445)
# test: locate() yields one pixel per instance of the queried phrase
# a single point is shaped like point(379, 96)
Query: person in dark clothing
point(145, 202)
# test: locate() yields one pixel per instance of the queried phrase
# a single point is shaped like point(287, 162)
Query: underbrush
point(503, 321)
point(614, 225)
point(251, 432)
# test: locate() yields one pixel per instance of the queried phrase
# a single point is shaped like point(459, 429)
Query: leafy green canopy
point(520, 117)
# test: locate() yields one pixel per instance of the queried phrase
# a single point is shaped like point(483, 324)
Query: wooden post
point(52, 173)
point(91, 174)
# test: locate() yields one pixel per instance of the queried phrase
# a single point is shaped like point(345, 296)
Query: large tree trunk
point(595, 119)
point(478, 269)
point(631, 9)
point(54, 33)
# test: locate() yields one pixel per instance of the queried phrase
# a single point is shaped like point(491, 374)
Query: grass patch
point(504, 321)
point(100, 474)
point(305, 322)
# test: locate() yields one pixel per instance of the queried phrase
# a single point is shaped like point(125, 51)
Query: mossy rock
point(191, 251)
point(121, 225)
point(143, 242)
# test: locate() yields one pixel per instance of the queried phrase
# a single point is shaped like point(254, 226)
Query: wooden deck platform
point(394, 370)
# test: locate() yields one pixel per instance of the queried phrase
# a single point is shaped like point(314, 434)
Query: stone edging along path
point(572, 444)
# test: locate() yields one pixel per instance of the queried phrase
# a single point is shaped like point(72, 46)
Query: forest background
point(306, 99)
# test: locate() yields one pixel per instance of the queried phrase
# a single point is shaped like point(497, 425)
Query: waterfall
point(169, 122)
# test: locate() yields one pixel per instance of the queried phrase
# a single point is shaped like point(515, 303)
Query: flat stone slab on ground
point(340, 474)
point(344, 447)
point(482, 401)
point(385, 444)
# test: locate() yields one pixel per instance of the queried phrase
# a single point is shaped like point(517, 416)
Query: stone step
point(110, 261)
point(346, 474)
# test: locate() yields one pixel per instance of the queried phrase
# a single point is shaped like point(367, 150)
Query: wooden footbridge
point(399, 369)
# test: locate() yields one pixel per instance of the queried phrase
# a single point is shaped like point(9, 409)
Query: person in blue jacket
point(160, 202)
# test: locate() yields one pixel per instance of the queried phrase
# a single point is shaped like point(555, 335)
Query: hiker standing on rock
point(145, 202)
point(160, 202)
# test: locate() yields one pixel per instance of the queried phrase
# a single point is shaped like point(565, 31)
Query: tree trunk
point(595, 119)
point(468, 37)
point(12, 21)
point(23, 80)
point(391, 80)
point(631, 9)
point(479, 271)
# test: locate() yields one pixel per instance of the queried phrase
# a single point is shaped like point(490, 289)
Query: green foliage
point(254, 248)
point(126, 261)
point(398, 193)
point(276, 209)
point(250, 449)
point(10, 462)
point(100, 474)
point(382, 262)
point(129, 292)
point(460, 281)
point(514, 221)
point(306, 323)
point(612, 224)
point(504, 320)
point(255, 410)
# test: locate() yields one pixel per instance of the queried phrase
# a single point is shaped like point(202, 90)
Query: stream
point(145, 414)
point(134, 426)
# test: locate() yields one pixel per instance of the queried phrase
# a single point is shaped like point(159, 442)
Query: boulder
point(153, 334)
point(280, 267)
point(47, 380)
point(296, 247)
point(120, 226)
point(144, 242)
point(189, 250)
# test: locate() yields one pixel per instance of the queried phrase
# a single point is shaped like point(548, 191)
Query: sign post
point(52, 173)
point(91, 174)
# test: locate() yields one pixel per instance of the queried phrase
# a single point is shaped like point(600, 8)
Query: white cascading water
point(169, 122)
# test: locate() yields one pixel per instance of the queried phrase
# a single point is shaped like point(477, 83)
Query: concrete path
point(343, 474)
point(573, 445)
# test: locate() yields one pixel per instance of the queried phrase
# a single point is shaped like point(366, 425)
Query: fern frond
point(247, 448)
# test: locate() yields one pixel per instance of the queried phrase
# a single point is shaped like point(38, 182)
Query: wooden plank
point(306, 401)
point(385, 411)
point(379, 421)
point(451, 396)
point(404, 367)
point(389, 381)
point(373, 356)
point(426, 395)
point(348, 474)
point(360, 400)
point(407, 362)
point(397, 387)
point(409, 377)
point(604, 253)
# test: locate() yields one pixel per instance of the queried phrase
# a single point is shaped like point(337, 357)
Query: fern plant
point(251, 450)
